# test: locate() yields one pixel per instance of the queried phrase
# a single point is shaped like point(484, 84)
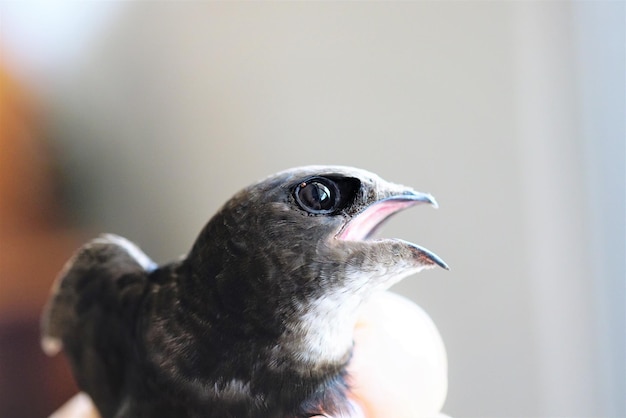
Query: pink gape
point(364, 224)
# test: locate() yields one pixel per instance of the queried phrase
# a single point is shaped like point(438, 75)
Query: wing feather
point(92, 313)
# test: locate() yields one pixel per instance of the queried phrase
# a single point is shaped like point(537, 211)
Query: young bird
point(256, 321)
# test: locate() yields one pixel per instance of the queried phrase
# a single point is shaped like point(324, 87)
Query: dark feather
point(256, 322)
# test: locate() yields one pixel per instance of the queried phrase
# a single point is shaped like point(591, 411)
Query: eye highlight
point(318, 195)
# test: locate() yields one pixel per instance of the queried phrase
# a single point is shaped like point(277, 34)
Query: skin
point(399, 366)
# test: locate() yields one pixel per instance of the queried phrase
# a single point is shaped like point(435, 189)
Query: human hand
point(399, 366)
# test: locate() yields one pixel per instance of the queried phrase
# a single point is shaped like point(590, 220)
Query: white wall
point(570, 72)
point(484, 104)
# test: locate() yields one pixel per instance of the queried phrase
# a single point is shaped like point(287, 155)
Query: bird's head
point(295, 252)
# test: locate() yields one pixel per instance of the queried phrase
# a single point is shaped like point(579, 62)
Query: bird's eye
point(317, 195)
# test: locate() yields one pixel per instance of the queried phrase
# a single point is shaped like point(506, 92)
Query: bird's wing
point(92, 312)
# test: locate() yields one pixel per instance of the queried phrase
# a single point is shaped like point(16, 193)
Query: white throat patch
point(325, 331)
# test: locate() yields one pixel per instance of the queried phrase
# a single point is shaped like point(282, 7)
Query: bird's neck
point(322, 334)
point(245, 352)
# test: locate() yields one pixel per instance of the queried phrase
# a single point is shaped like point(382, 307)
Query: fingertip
point(399, 367)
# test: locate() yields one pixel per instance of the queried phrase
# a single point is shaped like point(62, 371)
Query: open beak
point(364, 224)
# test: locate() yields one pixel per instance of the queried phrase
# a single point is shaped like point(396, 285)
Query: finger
point(79, 406)
point(399, 367)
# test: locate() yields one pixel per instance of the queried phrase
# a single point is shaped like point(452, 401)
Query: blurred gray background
point(510, 113)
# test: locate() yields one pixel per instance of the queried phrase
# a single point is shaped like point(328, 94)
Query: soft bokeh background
point(511, 113)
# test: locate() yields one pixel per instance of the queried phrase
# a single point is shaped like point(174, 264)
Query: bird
point(255, 321)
